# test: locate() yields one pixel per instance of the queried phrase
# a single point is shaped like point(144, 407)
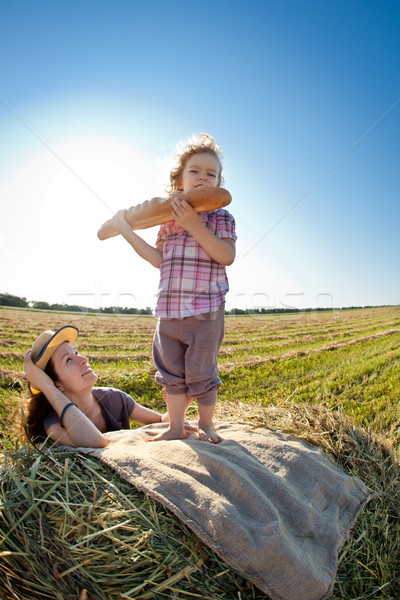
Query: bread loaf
point(159, 210)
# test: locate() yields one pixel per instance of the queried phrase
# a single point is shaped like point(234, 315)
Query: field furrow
point(331, 377)
point(341, 358)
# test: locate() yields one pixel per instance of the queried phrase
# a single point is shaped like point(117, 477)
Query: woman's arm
point(146, 416)
point(222, 250)
point(76, 433)
point(152, 255)
point(78, 429)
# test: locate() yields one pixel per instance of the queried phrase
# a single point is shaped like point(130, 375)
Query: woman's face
point(73, 373)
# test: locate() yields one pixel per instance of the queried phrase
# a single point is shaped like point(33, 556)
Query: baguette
point(159, 210)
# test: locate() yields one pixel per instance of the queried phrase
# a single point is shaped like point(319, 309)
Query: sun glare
point(111, 173)
point(57, 201)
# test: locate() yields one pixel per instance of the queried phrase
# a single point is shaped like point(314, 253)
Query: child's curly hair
point(202, 142)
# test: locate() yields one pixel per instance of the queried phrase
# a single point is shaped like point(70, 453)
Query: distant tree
point(71, 308)
point(41, 305)
point(236, 311)
point(10, 300)
point(57, 307)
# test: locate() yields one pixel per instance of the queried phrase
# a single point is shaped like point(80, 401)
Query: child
point(192, 253)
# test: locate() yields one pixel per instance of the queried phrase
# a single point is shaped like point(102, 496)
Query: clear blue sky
point(303, 97)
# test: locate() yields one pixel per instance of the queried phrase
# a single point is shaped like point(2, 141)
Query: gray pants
point(185, 354)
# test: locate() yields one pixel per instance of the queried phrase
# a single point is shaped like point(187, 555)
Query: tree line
point(16, 301)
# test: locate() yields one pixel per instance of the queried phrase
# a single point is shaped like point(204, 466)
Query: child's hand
point(119, 221)
point(185, 215)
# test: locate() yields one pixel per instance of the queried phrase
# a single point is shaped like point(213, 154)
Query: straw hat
point(47, 343)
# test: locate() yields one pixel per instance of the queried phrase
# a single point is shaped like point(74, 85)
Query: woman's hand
point(78, 429)
point(36, 377)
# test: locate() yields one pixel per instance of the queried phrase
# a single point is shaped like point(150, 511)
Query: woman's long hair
point(37, 409)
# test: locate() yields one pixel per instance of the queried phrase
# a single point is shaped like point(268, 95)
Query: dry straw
point(71, 528)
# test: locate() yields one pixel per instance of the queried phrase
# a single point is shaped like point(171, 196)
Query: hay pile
point(71, 528)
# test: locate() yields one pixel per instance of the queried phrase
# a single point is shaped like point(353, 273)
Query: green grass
point(348, 359)
point(68, 523)
point(330, 377)
point(362, 378)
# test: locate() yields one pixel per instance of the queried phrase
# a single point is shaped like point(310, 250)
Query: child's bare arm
point(223, 250)
point(152, 255)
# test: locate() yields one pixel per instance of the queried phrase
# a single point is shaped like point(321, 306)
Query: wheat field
point(346, 359)
point(330, 377)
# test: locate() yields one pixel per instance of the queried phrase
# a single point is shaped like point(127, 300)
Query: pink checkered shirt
point(191, 283)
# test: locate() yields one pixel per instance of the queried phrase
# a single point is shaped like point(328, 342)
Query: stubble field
point(332, 378)
point(347, 359)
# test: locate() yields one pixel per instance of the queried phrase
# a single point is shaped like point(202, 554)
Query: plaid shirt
point(192, 283)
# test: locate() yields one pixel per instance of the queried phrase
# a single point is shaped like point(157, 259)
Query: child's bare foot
point(169, 434)
point(210, 434)
point(190, 426)
point(187, 424)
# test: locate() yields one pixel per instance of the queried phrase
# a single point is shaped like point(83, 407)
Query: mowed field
point(331, 378)
point(347, 360)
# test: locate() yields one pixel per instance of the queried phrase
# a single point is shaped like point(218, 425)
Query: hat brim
point(67, 333)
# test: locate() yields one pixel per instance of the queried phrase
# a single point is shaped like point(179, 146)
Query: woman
point(64, 405)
